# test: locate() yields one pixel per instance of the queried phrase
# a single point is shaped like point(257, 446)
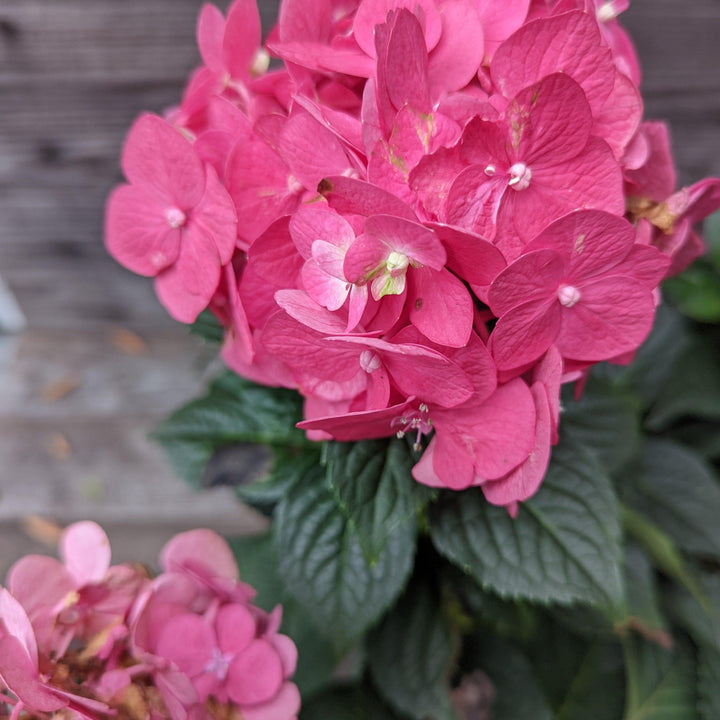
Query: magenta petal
point(300, 306)
point(210, 30)
point(20, 675)
point(504, 429)
point(523, 482)
point(364, 258)
point(188, 641)
point(524, 333)
point(202, 547)
point(374, 12)
point(328, 291)
point(255, 675)
point(412, 239)
point(350, 196)
point(216, 216)
point(590, 241)
point(613, 316)
point(137, 232)
point(284, 706)
point(160, 159)
point(453, 459)
point(644, 263)
point(235, 627)
point(620, 117)
point(533, 277)
point(474, 199)
point(441, 307)
point(500, 20)
point(274, 256)
point(85, 550)
point(242, 38)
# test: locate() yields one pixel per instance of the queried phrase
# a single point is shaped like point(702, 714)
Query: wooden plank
point(104, 468)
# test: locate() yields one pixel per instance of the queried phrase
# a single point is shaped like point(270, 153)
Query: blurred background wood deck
point(101, 362)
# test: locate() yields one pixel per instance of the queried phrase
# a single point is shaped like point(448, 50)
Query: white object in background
point(12, 319)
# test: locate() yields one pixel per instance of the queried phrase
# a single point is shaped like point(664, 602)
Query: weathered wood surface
point(73, 75)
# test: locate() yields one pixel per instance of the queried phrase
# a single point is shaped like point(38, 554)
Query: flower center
point(369, 361)
point(568, 295)
point(176, 217)
point(606, 12)
point(418, 421)
point(218, 664)
point(396, 263)
point(520, 176)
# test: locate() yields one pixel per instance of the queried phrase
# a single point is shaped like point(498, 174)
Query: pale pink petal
point(204, 548)
point(350, 196)
point(419, 243)
point(300, 306)
point(14, 619)
point(137, 231)
point(20, 674)
point(287, 651)
point(188, 641)
point(285, 705)
point(235, 627)
point(330, 292)
point(38, 581)
point(255, 675)
point(500, 20)
point(524, 333)
point(85, 550)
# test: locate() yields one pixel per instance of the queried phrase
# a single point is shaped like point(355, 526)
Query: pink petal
point(533, 277)
point(412, 239)
point(255, 675)
point(14, 619)
point(329, 258)
point(568, 43)
point(210, 30)
point(274, 256)
point(216, 216)
point(160, 159)
point(328, 291)
point(619, 118)
point(364, 258)
point(433, 176)
point(613, 316)
point(288, 653)
point(242, 38)
point(458, 54)
point(350, 196)
point(85, 550)
point(38, 581)
point(474, 199)
point(324, 58)
point(188, 641)
point(656, 178)
point(470, 256)
point(374, 12)
point(305, 20)
point(500, 20)
point(300, 306)
point(235, 627)
point(284, 706)
point(590, 241)
point(453, 459)
point(20, 675)
point(137, 232)
point(644, 263)
point(504, 428)
point(441, 307)
point(204, 548)
point(524, 333)
point(523, 482)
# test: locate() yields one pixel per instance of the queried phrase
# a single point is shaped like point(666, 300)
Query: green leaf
point(233, 411)
point(701, 436)
point(712, 236)
point(699, 616)
point(660, 683)
point(597, 689)
point(347, 703)
point(708, 683)
point(696, 292)
point(317, 658)
point(371, 480)
point(676, 489)
point(693, 388)
point(517, 693)
point(642, 612)
point(606, 420)
point(654, 362)
point(410, 655)
point(323, 566)
point(208, 327)
point(563, 546)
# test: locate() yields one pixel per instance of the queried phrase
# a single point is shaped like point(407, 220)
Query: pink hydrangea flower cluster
point(80, 638)
point(428, 218)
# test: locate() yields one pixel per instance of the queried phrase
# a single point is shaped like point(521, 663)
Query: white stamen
point(261, 62)
point(568, 295)
point(369, 361)
point(397, 263)
point(490, 170)
point(218, 664)
point(606, 12)
point(294, 185)
point(521, 175)
point(176, 217)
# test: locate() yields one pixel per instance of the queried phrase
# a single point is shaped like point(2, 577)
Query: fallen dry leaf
point(58, 389)
point(41, 530)
point(58, 446)
point(128, 342)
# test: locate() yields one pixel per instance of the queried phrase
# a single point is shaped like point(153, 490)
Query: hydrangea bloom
point(428, 219)
point(94, 640)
